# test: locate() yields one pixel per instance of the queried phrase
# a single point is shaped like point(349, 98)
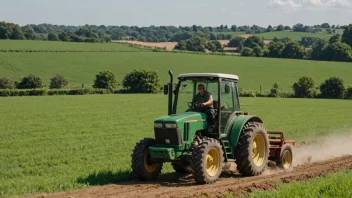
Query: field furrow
point(181, 186)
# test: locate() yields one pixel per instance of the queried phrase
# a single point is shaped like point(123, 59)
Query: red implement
point(281, 149)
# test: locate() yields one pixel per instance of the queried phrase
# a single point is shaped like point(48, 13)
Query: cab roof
point(217, 75)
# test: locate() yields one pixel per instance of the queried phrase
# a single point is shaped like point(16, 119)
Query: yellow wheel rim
point(212, 162)
point(258, 150)
point(150, 167)
point(287, 159)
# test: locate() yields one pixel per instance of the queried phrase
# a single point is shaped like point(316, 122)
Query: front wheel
point(207, 161)
point(142, 168)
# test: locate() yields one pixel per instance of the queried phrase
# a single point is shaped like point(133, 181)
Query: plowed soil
point(177, 185)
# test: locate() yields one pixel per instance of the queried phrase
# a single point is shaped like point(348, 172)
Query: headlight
point(170, 125)
point(158, 125)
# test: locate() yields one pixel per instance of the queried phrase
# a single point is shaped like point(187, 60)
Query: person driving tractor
point(203, 102)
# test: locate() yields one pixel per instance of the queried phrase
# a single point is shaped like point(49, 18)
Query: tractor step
point(227, 148)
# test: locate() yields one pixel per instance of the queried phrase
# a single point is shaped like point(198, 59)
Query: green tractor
point(185, 138)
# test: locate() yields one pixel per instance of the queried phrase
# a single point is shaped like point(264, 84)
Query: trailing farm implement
point(186, 139)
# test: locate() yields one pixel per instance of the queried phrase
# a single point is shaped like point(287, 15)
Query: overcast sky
point(180, 12)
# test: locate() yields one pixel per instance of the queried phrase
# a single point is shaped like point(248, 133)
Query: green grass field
point(57, 45)
point(55, 143)
point(333, 185)
point(233, 34)
point(81, 68)
point(293, 35)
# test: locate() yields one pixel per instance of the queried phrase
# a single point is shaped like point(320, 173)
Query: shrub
point(58, 82)
point(274, 92)
point(105, 80)
point(349, 92)
point(304, 88)
point(247, 52)
point(30, 82)
point(236, 42)
point(332, 88)
point(250, 93)
point(6, 83)
point(15, 92)
point(258, 51)
point(142, 81)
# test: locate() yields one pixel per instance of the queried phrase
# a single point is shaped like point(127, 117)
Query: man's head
point(201, 89)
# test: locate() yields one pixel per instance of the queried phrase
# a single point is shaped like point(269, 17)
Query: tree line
point(136, 81)
point(337, 48)
point(102, 33)
point(331, 88)
point(148, 81)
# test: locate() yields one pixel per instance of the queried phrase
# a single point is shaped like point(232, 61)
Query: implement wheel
point(207, 161)
point(142, 168)
point(252, 151)
point(284, 161)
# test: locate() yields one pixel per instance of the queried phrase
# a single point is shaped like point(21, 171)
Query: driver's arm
point(209, 102)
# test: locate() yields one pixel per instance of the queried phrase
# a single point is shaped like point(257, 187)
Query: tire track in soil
point(177, 185)
point(11, 68)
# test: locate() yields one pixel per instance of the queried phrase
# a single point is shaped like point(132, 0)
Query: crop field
point(332, 185)
point(81, 68)
point(233, 34)
point(293, 35)
point(57, 45)
point(59, 143)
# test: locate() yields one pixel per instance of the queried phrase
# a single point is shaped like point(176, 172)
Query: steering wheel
point(194, 104)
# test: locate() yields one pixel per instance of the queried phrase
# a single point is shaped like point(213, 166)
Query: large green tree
point(105, 80)
point(304, 88)
point(333, 87)
point(253, 41)
point(275, 49)
point(236, 42)
point(338, 51)
point(142, 81)
point(347, 35)
point(293, 50)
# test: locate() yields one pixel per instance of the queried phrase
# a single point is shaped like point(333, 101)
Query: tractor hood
point(182, 117)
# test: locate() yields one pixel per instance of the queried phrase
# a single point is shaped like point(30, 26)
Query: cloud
point(310, 4)
point(284, 3)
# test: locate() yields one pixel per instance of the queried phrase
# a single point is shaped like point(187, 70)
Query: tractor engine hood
point(180, 119)
point(178, 129)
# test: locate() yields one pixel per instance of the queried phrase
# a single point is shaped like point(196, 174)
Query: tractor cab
point(222, 87)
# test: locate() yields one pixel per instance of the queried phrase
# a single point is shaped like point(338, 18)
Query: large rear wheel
point(207, 161)
point(252, 151)
point(142, 167)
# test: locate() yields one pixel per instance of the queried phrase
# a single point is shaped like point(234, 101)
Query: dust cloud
point(323, 149)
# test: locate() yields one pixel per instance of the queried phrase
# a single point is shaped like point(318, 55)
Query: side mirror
point(166, 89)
point(227, 89)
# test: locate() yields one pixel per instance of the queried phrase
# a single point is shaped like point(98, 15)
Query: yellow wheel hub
point(212, 162)
point(287, 159)
point(150, 167)
point(258, 150)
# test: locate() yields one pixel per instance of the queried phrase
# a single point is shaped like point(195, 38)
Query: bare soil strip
point(176, 185)
point(167, 45)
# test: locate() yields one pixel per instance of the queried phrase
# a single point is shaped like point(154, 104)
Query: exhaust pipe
point(170, 92)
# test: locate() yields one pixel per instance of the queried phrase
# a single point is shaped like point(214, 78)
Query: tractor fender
point(237, 127)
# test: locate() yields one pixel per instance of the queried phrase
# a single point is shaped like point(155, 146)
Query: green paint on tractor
point(185, 138)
